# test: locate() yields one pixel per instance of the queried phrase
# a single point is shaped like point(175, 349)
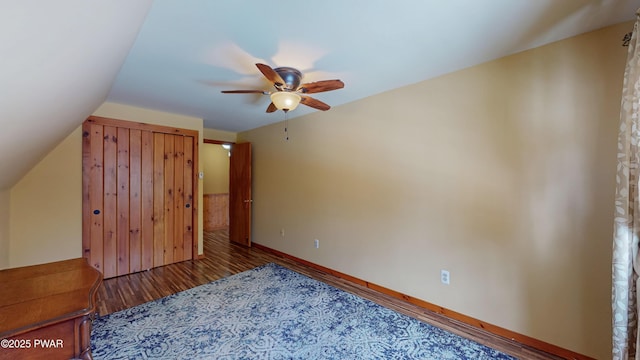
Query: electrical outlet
point(316, 243)
point(282, 232)
point(445, 278)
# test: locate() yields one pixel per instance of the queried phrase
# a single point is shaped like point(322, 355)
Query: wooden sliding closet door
point(139, 208)
point(173, 198)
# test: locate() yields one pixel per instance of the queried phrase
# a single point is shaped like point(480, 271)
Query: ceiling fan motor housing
point(292, 77)
point(287, 82)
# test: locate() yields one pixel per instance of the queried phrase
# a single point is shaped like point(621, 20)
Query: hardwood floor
point(223, 259)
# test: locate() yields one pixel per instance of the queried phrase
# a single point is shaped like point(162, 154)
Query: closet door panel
point(86, 176)
point(178, 181)
point(135, 206)
point(188, 213)
point(110, 246)
point(95, 199)
point(123, 202)
point(158, 199)
point(146, 191)
point(169, 197)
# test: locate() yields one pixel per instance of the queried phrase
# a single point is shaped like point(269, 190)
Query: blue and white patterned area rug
point(271, 312)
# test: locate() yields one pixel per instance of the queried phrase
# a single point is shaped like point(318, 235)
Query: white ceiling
point(188, 51)
point(59, 60)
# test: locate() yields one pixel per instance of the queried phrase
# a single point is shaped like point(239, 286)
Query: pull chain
point(286, 125)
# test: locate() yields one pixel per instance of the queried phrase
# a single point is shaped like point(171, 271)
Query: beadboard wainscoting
point(216, 211)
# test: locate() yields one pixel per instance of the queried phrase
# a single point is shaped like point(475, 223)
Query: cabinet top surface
point(38, 295)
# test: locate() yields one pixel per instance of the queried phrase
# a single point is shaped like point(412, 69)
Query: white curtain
point(627, 213)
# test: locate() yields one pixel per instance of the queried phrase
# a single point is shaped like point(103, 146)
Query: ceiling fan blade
point(270, 74)
point(316, 104)
point(320, 86)
point(272, 107)
point(245, 92)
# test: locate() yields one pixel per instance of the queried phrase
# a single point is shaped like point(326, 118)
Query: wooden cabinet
point(46, 310)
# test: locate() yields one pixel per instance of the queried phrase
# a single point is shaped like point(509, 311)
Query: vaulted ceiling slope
point(61, 59)
point(58, 60)
point(190, 50)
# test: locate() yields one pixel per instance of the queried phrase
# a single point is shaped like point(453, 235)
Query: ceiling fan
point(289, 92)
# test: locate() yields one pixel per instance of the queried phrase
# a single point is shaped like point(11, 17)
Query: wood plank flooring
point(223, 259)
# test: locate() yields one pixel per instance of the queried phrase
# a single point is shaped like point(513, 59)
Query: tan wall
point(46, 205)
point(213, 134)
point(215, 162)
point(5, 197)
point(502, 174)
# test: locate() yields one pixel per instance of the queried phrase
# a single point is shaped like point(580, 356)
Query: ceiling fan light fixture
point(285, 100)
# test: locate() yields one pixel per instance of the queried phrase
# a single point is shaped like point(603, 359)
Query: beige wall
point(213, 134)
point(4, 228)
point(502, 174)
point(215, 160)
point(46, 208)
point(46, 205)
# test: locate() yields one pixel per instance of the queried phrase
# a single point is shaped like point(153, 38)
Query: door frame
point(218, 142)
point(221, 142)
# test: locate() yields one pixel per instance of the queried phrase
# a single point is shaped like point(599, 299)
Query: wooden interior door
point(139, 204)
point(240, 194)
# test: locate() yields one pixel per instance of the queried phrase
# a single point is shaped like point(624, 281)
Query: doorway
point(215, 161)
point(227, 191)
